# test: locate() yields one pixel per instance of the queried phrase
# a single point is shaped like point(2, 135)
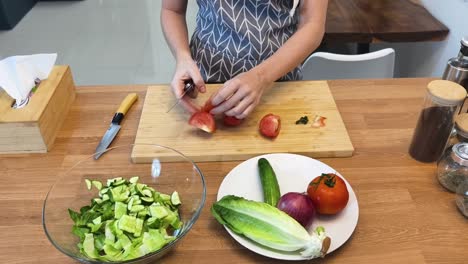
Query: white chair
point(328, 66)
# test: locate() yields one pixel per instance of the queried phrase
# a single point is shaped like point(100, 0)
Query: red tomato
point(232, 121)
point(270, 125)
point(204, 121)
point(208, 105)
point(328, 193)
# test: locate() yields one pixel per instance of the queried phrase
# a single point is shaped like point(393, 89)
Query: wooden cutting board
point(289, 100)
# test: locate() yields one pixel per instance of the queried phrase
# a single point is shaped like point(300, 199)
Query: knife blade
point(115, 124)
point(189, 89)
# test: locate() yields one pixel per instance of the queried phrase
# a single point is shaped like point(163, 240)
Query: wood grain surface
point(365, 21)
point(405, 215)
point(289, 100)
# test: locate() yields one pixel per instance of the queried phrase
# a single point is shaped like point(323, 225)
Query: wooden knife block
point(33, 128)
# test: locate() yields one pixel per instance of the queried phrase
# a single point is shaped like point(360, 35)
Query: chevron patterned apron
point(233, 36)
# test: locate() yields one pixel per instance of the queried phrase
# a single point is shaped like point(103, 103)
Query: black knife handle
point(118, 117)
point(189, 88)
point(123, 108)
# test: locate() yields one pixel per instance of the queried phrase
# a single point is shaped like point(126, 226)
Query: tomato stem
point(329, 180)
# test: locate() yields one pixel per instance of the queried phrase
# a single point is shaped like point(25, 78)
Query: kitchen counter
point(405, 215)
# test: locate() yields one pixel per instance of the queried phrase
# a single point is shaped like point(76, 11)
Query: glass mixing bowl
point(168, 170)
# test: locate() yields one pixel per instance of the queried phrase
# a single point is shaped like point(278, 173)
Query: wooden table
point(366, 21)
point(405, 215)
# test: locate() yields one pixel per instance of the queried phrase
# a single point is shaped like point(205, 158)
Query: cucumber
point(97, 184)
point(88, 184)
point(147, 199)
point(271, 191)
point(175, 199)
point(127, 220)
point(120, 209)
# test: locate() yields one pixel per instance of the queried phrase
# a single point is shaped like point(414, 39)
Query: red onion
point(299, 206)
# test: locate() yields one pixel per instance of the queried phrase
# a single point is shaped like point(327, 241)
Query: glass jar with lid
point(436, 120)
point(461, 126)
point(452, 169)
point(461, 199)
point(459, 132)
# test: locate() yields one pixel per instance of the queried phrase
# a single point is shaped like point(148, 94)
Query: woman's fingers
point(230, 103)
point(197, 79)
point(227, 90)
point(240, 108)
point(177, 85)
point(187, 70)
point(247, 111)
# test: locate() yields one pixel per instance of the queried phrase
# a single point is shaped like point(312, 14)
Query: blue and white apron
point(233, 36)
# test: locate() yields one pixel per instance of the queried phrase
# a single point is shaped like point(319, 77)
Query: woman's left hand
point(239, 96)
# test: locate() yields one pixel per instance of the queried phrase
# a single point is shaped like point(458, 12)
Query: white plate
point(294, 172)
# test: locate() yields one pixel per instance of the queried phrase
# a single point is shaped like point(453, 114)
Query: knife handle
point(189, 89)
point(123, 108)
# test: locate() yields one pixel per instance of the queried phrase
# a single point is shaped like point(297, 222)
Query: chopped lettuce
point(127, 220)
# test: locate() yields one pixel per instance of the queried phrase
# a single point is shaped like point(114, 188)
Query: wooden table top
point(365, 21)
point(405, 215)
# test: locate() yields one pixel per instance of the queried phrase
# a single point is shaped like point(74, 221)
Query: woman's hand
point(239, 96)
point(187, 69)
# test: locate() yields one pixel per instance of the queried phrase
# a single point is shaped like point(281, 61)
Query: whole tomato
point(329, 193)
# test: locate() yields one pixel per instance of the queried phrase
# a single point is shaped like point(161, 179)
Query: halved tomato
point(204, 121)
point(232, 121)
point(270, 125)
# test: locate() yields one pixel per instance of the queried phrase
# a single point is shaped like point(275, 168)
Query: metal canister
point(457, 70)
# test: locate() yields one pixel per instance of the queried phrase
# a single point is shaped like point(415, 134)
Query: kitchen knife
point(189, 89)
point(115, 124)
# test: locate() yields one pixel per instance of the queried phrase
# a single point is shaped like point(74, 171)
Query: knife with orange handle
point(115, 124)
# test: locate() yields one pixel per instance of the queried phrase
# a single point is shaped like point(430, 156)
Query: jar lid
point(460, 153)
point(464, 41)
point(446, 93)
point(462, 125)
point(464, 46)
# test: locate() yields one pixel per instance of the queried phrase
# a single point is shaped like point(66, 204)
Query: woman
point(247, 44)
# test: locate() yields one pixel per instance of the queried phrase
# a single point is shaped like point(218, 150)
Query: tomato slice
point(270, 125)
point(319, 121)
point(204, 121)
point(232, 121)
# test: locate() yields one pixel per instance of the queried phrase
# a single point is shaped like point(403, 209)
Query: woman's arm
point(174, 27)
point(175, 31)
point(245, 90)
point(302, 43)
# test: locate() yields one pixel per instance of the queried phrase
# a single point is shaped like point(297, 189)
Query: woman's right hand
point(187, 69)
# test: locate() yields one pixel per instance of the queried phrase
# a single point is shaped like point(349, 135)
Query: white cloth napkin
point(17, 73)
